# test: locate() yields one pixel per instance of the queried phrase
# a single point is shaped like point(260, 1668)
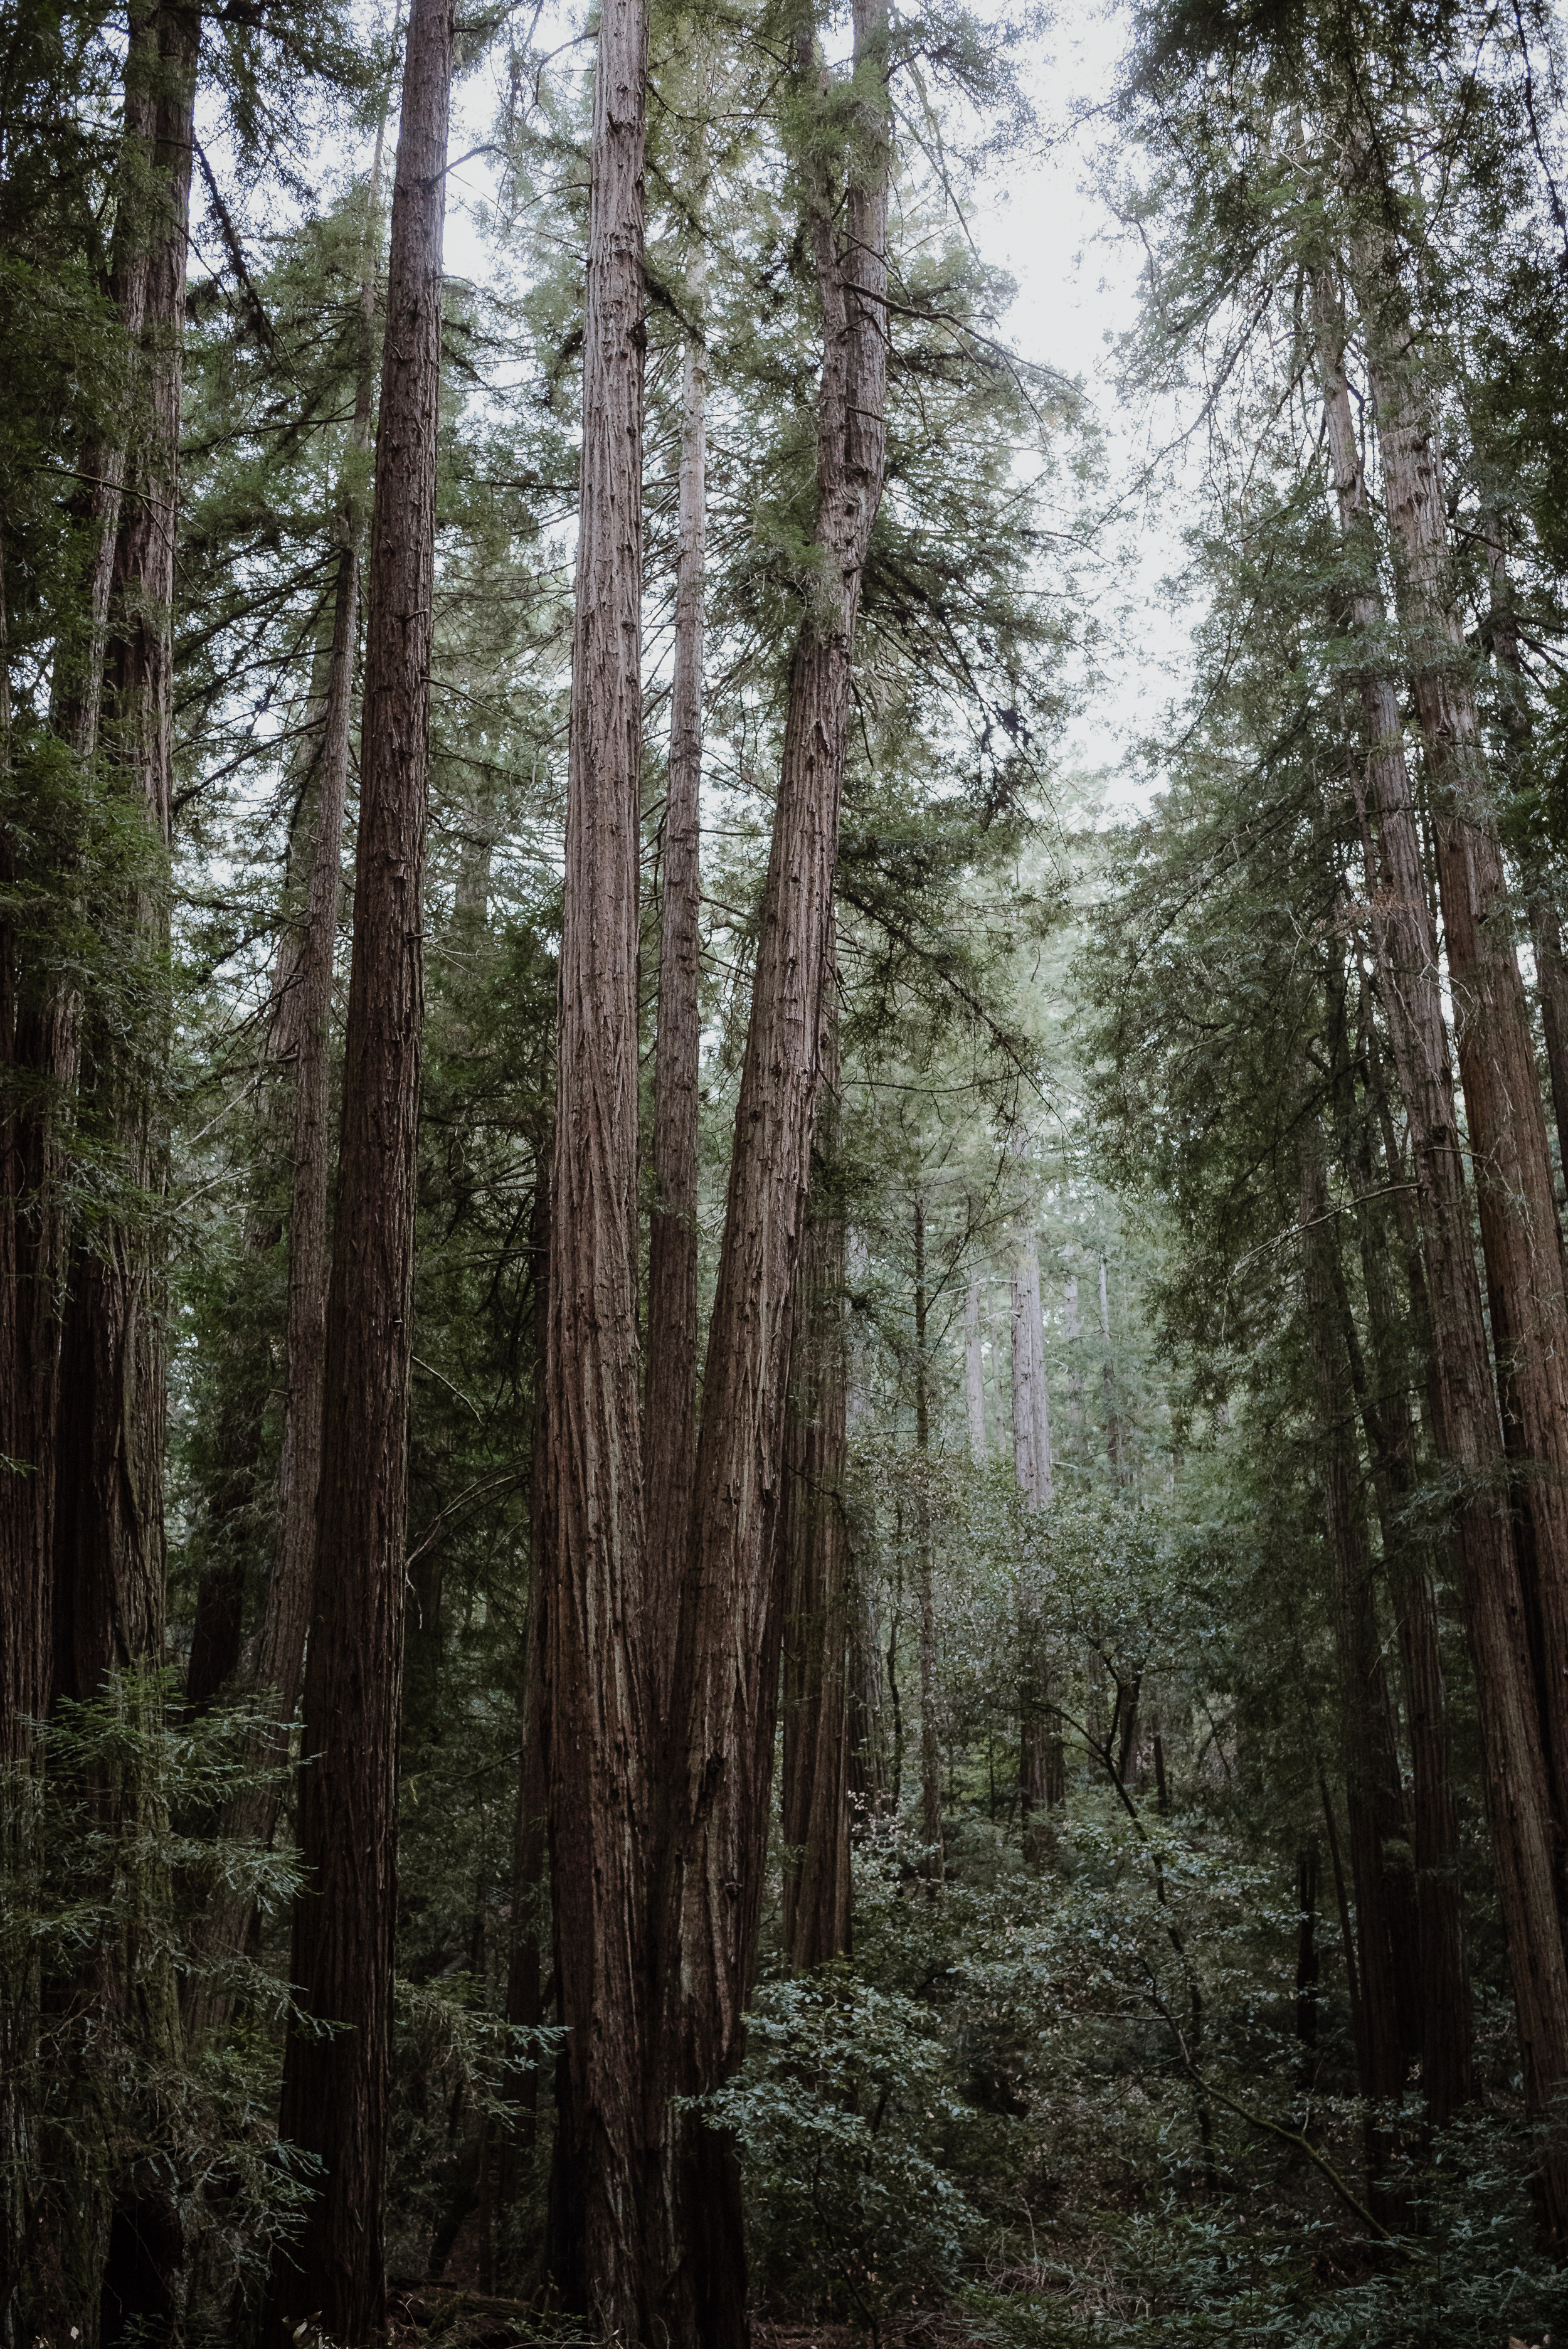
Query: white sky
point(1078, 295)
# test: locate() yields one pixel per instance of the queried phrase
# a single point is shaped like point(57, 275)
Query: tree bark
point(108, 1539)
point(1031, 1410)
point(975, 1374)
point(596, 1631)
point(1115, 1441)
point(815, 1796)
point(719, 1755)
point(335, 2096)
point(1541, 907)
point(1520, 1810)
point(1373, 1796)
point(1507, 1131)
point(1443, 2030)
point(671, 1418)
point(932, 1866)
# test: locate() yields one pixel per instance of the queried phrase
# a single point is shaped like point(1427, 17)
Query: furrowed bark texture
point(814, 1803)
point(111, 2258)
point(108, 1512)
point(1520, 1811)
point(670, 1432)
point(1373, 1799)
point(1496, 1052)
point(1540, 900)
point(595, 1628)
point(1443, 2023)
point(335, 2089)
point(720, 1748)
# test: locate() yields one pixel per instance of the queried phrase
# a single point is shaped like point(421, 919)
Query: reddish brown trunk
point(335, 2089)
point(815, 1797)
point(1525, 1831)
point(1373, 1796)
point(720, 1750)
point(595, 1630)
point(670, 1431)
point(929, 1744)
point(108, 1516)
point(1497, 1061)
point(1441, 2027)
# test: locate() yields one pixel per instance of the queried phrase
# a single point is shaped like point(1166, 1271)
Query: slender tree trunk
point(1373, 1799)
point(1443, 2031)
point(1540, 899)
point(335, 2098)
point(596, 1632)
point(1497, 1060)
point(120, 2258)
point(1031, 1410)
point(1114, 1443)
point(932, 1866)
point(1072, 1332)
point(1307, 1967)
point(670, 1424)
point(719, 1755)
point(109, 1517)
point(975, 1374)
point(1520, 1808)
point(815, 1795)
point(1031, 1471)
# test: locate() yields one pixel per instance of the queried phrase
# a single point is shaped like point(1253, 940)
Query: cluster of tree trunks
point(663, 1602)
point(1502, 1442)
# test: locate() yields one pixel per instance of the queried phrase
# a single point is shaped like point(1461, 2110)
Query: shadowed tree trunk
point(930, 1745)
point(335, 2094)
point(1507, 1131)
point(118, 2258)
point(1439, 1996)
point(1520, 1810)
point(1040, 1770)
point(596, 1633)
point(720, 1749)
point(670, 1427)
point(1374, 1803)
point(815, 1796)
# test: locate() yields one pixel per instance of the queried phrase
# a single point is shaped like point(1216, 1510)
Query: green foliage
point(109, 1857)
point(842, 2115)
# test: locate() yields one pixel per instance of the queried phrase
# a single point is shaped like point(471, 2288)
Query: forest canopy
point(783, 1316)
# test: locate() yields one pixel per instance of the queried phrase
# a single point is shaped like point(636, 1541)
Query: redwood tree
point(335, 2085)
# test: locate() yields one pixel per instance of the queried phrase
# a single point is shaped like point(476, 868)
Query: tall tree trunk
point(1031, 1410)
point(108, 1518)
point(1520, 1808)
point(670, 1425)
point(1373, 1798)
point(1443, 2034)
point(596, 1630)
point(527, 1956)
point(718, 1760)
point(121, 2261)
point(975, 1374)
point(1541, 905)
point(1115, 1436)
point(335, 2096)
point(299, 1055)
point(1039, 1741)
point(932, 1866)
point(1497, 1060)
point(1073, 1333)
point(815, 1796)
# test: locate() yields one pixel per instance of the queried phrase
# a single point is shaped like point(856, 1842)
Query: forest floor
point(455, 2316)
